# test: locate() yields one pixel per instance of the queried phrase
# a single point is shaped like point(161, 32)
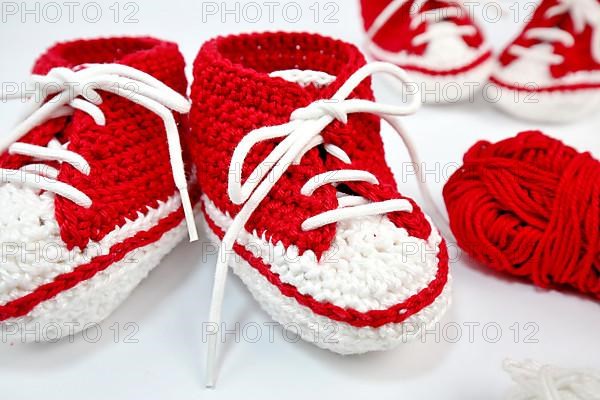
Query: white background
point(169, 307)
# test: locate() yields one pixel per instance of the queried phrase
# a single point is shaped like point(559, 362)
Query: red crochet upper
point(397, 35)
point(128, 157)
point(576, 58)
point(232, 94)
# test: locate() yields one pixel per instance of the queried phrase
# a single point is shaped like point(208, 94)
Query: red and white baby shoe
point(88, 204)
point(286, 132)
point(551, 72)
point(435, 40)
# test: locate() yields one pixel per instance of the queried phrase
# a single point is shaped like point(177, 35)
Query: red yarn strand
point(530, 206)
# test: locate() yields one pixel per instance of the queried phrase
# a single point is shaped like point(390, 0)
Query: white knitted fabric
point(33, 254)
point(304, 77)
point(28, 228)
point(438, 86)
point(559, 106)
point(555, 106)
point(443, 53)
point(367, 269)
point(93, 300)
point(448, 89)
point(527, 71)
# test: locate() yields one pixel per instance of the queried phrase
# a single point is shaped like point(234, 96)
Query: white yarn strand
point(535, 381)
point(78, 90)
point(304, 126)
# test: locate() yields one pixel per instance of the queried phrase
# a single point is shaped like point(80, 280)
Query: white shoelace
point(582, 13)
point(544, 382)
point(301, 134)
point(68, 90)
point(436, 18)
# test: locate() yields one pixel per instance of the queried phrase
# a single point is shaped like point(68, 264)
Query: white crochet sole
point(92, 300)
point(449, 89)
point(440, 88)
point(557, 106)
point(324, 332)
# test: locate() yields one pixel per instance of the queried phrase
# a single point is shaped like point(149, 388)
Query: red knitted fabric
point(23, 305)
point(577, 57)
point(232, 94)
point(530, 206)
point(128, 156)
point(397, 35)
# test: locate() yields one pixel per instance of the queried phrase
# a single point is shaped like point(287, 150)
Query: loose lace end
point(189, 214)
point(210, 362)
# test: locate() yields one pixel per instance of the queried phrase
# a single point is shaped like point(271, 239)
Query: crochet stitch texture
point(530, 206)
point(135, 216)
point(551, 71)
point(233, 94)
point(437, 41)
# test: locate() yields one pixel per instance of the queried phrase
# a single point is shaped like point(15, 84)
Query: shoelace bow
point(60, 93)
point(438, 18)
point(582, 13)
point(301, 134)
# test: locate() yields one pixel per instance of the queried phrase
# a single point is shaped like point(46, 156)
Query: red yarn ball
point(530, 206)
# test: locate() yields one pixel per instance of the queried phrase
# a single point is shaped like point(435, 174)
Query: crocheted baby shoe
point(435, 40)
point(87, 203)
point(551, 72)
point(295, 184)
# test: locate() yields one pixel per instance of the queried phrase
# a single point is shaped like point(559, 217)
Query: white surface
point(169, 307)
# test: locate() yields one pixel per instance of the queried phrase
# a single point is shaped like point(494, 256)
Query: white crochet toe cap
point(536, 74)
point(33, 254)
point(371, 265)
point(524, 72)
point(449, 52)
point(444, 53)
point(32, 249)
